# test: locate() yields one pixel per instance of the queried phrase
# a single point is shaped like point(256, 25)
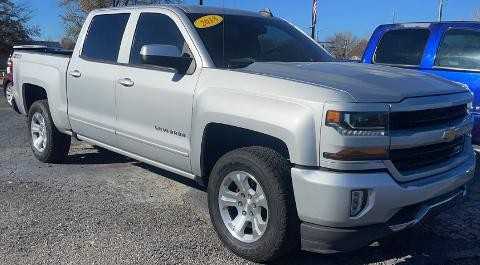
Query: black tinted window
point(460, 48)
point(104, 37)
point(405, 47)
point(155, 29)
point(238, 41)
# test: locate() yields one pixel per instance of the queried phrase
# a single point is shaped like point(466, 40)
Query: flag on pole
point(314, 13)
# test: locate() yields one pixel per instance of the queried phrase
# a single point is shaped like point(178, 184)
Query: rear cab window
point(459, 49)
point(104, 37)
point(402, 47)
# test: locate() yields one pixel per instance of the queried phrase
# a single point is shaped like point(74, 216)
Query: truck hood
point(363, 82)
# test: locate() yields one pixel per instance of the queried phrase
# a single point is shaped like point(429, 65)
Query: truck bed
point(46, 69)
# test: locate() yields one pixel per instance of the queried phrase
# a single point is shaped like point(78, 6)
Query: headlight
point(358, 123)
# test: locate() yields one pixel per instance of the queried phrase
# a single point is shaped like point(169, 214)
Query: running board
point(137, 157)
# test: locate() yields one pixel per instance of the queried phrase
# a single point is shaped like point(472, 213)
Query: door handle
point(76, 73)
point(126, 82)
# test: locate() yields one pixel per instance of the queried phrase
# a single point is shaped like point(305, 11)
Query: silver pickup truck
point(296, 149)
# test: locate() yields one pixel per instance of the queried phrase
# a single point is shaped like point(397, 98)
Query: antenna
point(223, 35)
point(266, 12)
point(440, 10)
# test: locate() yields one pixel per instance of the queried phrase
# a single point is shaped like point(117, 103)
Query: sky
point(358, 16)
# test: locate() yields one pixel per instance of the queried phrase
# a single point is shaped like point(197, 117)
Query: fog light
point(358, 203)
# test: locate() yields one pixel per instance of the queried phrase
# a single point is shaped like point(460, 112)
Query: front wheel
point(251, 204)
point(47, 143)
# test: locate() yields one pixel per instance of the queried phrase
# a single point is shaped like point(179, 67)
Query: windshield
point(238, 41)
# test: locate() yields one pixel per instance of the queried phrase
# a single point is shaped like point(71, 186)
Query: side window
point(154, 28)
point(460, 48)
point(402, 47)
point(104, 37)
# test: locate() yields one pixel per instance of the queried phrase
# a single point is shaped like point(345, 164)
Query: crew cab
point(447, 49)
point(295, 149)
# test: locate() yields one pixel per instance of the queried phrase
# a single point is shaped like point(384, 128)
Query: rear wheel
point(47, 143)
point(9, 96)
point(251, 204)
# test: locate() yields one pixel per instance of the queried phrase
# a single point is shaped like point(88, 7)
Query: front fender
point(292, 123)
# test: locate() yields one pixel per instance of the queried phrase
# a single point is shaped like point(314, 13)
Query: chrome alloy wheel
point(39, 132)
point(9, 94)
point(243, 206)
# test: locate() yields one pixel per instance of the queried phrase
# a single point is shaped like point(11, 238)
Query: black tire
point(58, 144)
point(15, 107)
point(13, 104)
point(272, 171)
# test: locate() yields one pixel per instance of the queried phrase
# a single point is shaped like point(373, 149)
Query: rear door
point(154, 109)
point(92, 76)
point(458, 57)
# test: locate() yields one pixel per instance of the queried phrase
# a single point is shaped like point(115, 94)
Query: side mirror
point(165, 56)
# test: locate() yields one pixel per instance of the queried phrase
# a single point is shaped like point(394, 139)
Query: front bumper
point(325, 239)
point(323, 202)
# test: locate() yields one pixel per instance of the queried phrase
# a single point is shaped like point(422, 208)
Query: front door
point(154, 104)
point(458, 58)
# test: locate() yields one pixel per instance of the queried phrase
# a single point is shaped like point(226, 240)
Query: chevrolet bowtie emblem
point(450, 135)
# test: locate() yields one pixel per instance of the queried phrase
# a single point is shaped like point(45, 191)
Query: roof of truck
point(428, 24)
point(189, 9)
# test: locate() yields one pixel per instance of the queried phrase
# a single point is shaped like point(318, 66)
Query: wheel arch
point(219, 139)
point(32, 90)
point(32, 93)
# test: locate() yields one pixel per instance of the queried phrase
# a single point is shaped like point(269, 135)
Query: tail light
point(10, 65)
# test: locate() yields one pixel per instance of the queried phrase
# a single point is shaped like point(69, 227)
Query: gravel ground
point(102, 208)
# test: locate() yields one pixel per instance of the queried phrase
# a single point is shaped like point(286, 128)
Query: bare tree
point(76, 11)
point(15, 26)
point(67, 43)
point(344, 45)
point(359, 49)
point(15, 20)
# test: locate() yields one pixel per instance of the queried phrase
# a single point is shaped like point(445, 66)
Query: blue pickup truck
point(447, 49)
